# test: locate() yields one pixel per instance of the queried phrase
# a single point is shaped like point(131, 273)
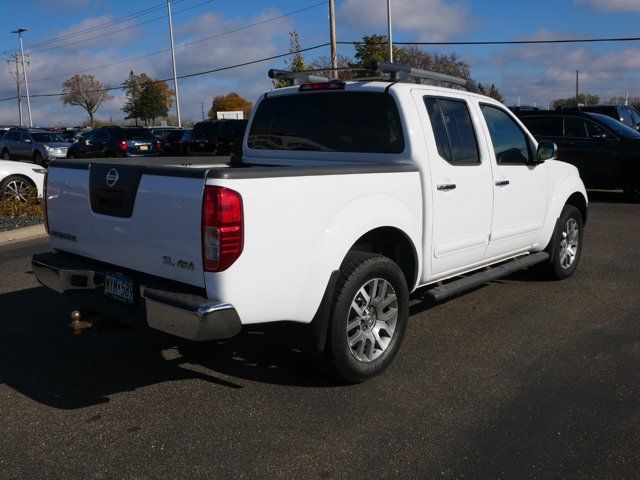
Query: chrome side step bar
point(456, 287)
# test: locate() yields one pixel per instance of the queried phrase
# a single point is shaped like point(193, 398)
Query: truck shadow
point(41, 358)
point(607, 196)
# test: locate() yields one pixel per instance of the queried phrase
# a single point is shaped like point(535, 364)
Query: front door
point(459, 188)
point(519, 185)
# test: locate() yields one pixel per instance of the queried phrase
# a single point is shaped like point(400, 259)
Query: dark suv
point(219, 137)
point(115, 142)
point(623, 113)
point(606, 151)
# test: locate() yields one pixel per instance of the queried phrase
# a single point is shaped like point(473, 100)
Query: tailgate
point(137, 217)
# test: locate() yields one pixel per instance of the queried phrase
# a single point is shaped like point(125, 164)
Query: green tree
point(230, 103)
point(86, 92)
point(295, 63)
point(583, 99)
point(375, 48)
point(145, 98)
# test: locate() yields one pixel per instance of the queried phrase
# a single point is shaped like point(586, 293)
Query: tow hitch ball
point(77, 324)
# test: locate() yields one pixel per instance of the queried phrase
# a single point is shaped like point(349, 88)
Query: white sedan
point(18, 180)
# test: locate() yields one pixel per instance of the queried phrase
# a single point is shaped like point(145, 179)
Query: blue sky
point(535, 73)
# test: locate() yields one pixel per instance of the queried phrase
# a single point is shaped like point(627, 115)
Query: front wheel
point(6, 155)
point(368, 318)
point(37, 159)
point(566, 244)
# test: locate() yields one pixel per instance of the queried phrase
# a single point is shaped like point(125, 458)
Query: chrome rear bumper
point(181, 314)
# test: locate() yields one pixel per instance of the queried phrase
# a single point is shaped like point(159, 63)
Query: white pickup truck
point(349, 196)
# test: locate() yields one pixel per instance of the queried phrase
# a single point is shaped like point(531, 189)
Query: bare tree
point(86, 92)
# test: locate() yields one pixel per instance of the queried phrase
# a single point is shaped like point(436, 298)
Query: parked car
point(351, 196)
point(623, 113)
point(37, 145)
point(20, 180)
point(115, 142)
point(605, 151)
point(217, 137)
point(177, 142)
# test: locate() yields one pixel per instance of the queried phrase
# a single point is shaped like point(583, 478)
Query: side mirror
point(546, 151)
point(27, 140)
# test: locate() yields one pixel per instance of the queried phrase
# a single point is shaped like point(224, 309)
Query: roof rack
point(396, 73)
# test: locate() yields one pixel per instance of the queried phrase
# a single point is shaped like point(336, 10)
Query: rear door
point(519, 186)
point(99, 140)
point(460, 183)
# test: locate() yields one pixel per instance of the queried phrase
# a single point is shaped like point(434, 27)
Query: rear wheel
point(566, 244)
point(368, 318)
point(632, 186)
point(16, 188)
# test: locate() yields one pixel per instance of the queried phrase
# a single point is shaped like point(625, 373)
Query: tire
point(37, 159)
point(16, 187)
point(632, 186)
point(362, 344)
point(71, 155)
point(6, 155)
point(565, 246)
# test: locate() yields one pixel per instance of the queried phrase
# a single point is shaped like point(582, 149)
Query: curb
point(22, 235)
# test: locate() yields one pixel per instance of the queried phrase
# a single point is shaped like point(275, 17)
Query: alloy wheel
point(569, 243)
point(372, 320)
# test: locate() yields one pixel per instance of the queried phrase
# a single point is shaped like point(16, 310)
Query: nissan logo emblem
point(112, 177)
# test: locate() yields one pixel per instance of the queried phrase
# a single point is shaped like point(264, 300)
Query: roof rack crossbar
point(401, 72)
point(303, 77)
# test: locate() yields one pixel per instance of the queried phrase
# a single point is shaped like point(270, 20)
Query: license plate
point(144, 147)
point(119, 287)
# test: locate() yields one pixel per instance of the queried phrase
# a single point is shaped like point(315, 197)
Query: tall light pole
point(389, 33)
point(173, 61)
point(332, 34)
point(24, 71)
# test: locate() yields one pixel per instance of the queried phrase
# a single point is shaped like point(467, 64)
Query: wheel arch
point(394, 244)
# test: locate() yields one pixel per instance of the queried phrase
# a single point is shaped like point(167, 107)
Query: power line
point(123, 29)
point(95, 27)
point(181, 45)
point(505, 42)
point(189, 75)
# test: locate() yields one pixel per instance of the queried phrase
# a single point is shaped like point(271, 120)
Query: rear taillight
point(44, 202)
point(158, 144)
point(222, 228)
point(123, 145)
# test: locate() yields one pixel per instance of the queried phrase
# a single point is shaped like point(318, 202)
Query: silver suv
point(37, 145)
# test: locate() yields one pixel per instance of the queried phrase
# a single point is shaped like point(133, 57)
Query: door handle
point(502, 183)
point(446, 186)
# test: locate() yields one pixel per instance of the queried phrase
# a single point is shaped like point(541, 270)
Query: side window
point(594, 129)
point(453, 130)
point(100, 136)
point(510, 143)
point(636, 117)
point(25, 136)
point(544, 126)
point(575, 127)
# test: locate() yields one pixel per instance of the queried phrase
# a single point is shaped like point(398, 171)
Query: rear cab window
point(345, 121)
point(138, 134)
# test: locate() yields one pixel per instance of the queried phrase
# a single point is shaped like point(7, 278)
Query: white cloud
point(265, 40)
point(611, 6)
point(430, 20)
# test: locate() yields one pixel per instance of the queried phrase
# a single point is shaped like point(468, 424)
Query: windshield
point(44, 137)
point(615, 126)
point(363, 122)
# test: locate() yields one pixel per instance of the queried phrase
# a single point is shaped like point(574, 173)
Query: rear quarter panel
point(299, 229)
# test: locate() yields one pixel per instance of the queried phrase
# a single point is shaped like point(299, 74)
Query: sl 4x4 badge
point(184, 264)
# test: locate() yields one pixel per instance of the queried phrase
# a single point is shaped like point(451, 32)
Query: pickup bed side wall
point(564, 181)
point(299, 229)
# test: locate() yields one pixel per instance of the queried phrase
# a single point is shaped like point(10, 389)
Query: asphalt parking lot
point(520, 379)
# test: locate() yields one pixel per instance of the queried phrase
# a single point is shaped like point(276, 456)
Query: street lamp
point(173, 62)
point(24, 71)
